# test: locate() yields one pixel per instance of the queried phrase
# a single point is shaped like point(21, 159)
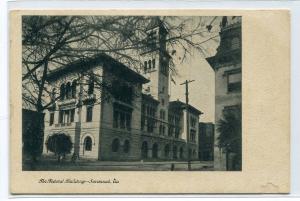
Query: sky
point(201, 91)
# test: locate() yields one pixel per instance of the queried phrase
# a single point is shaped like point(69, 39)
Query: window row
point(174, 119)
point(67, 116)
point(122, 117)
point(176, 153)
point(149, 65)
point(67, 91)
point(149, 123)
point(173, 131)
point(115, 146)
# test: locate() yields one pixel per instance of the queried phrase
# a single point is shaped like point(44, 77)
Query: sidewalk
point(51, 164)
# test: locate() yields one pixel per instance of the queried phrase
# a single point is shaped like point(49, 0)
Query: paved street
point(51, 164)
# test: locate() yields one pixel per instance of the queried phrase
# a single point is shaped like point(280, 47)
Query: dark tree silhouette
point(230, 138)
point(60, 144)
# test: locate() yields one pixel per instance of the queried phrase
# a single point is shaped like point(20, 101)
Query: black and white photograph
point(131, 93)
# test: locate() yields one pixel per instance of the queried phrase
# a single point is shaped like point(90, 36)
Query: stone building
point(227, 64)
point(206, 141)
point(134, 119)
point(98, 108)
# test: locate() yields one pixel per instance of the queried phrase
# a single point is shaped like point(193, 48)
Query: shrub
point(60, 144)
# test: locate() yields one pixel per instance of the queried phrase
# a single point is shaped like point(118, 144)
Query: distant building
point(136, 122)
point(206, 141)
point(227, 64)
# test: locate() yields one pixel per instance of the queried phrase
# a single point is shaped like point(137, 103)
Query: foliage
point(60, 144)
point(230, 139)
point(32, 126)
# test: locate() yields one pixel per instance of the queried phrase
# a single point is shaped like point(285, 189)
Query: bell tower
point(156, 62)
point(156, 69)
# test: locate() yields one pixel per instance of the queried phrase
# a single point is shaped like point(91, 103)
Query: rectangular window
point(177, 130)
point(67, 116)
point(160, 129)
point(122, 120)
point(150, 125)
point(72, 115)
point(51, 118)
point(116, 119)
point(89, 113)
point(128, 121)
point(193, 122)
point(234, 81)
point(170, 131)
point(61, 117)
point(122, 117)
point(192, 135)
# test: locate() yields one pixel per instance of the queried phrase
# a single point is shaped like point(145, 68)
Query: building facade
point(114, 113)
point(206, 141)
point(227, 64)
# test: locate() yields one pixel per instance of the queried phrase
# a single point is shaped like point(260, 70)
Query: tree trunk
point(38, 131)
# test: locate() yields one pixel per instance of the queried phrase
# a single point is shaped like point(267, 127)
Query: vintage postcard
point(144, 101)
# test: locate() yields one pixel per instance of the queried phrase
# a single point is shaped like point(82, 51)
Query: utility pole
point(186, 83)
point(78, 124)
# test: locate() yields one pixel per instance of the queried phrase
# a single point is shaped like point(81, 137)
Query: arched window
point(126, 146)
point(145, 66)
point(154, 150)
point(149, 64)
point(115, 145)
point(74, 84)
point(144, 150)
point(167, 150)
point(68, 90)
point(88, 143)
point(62, 91)
point(153, 63)
point(174, 152)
